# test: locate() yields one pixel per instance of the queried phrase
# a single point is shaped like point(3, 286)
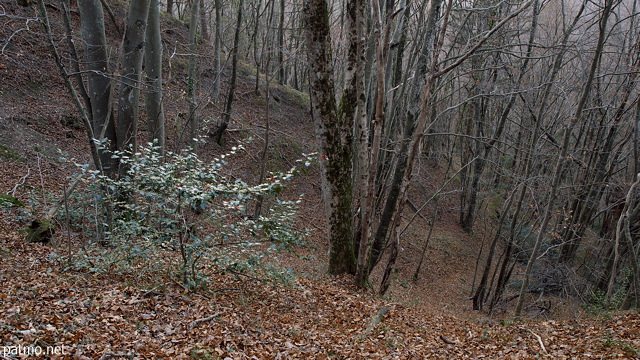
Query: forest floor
point(85, 314)
point(100, 316)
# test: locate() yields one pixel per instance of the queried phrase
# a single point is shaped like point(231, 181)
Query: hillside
point(299, 313)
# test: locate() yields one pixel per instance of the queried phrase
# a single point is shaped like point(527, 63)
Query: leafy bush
point(181, 203)
point(7, 201)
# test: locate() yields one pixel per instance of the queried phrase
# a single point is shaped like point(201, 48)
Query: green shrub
point(182, 204)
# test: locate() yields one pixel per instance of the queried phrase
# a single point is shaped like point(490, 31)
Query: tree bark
point(132, 49)
point(192, 77)
point(153, 69)
point(333, 125)
point(232, 83)
point(282, 78)
point(99, 82)
point(170, 7)
point(217, 71)
point(204, 25)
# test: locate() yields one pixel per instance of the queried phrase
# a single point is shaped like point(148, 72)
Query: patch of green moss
point(40, 231)
point(9, 201)
point(8, 154)
point(245, 69)
point(293, 96)
point(180, 64)
point(71, 122)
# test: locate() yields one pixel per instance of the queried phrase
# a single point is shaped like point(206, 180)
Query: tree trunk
point(132, 49)
point(74, 55)
point(267, 132)
point(411, 117)
point(170, 7)
point(281, 67)
point(217, 71)
point(99, 83)
point(481, 290)
point(334, 132)
point(153, 70)
point(232, 83)
point(192, 79)
point(204, 25)
point(622, 232)
point(368, 203)
point(42, 13)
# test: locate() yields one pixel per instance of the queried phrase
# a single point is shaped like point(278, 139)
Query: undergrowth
point(178, 216)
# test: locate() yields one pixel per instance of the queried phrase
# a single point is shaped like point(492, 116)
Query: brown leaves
point(97, 316)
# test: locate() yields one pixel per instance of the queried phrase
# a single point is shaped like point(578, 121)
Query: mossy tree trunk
point(334, 131)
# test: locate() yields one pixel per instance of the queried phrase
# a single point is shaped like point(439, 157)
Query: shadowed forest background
point(320, 179)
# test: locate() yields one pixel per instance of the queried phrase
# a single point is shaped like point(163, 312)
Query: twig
point(446, 340)
point(539, 341)
point(44, 195)
point(237, 273)
point(116, 355)
point(311, 222)
point(417, 211)
point(228, 289)
point(63, 199)
point(147, 292)
point(179, 284)
point(112, 16)
point(195, 323)
point(20, 183)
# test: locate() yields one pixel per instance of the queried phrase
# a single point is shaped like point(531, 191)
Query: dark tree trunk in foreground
point(334, 133)
point(99, 83)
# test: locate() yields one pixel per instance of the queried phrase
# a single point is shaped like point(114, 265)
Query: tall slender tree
point(133, 47)
point(153, 70)
point(234, 77)
point(99, 80)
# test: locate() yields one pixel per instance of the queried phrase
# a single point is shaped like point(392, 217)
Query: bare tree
point(99, 80)
point(153, 70)
point(564, 149)
point(232, 83)
point(192, 77)
point(334, 124)
point(132, 49)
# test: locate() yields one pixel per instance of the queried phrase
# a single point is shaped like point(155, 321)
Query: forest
point(255, 179)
